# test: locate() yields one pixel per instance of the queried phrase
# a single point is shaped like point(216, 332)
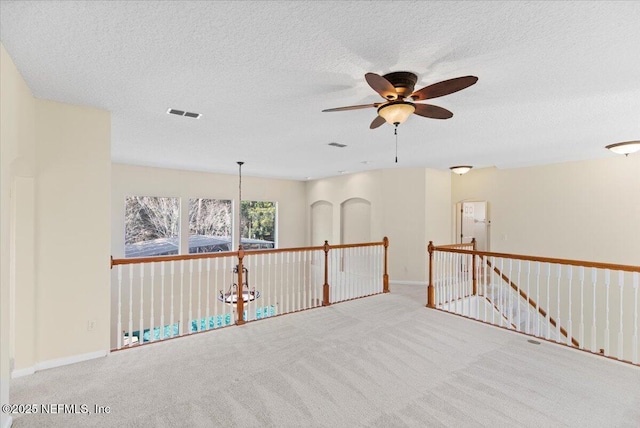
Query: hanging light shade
point(461, 169)
point(396, 112)
point(625, 148)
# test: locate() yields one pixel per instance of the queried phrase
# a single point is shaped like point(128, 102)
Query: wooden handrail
point(153, 259)
point(529, 300)
point(582, 263)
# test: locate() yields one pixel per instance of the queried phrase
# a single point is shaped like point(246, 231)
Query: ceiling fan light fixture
point(625, 148)
point(396, 112)
point(461, 169)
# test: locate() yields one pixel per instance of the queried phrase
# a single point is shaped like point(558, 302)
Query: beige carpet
point(382, 361)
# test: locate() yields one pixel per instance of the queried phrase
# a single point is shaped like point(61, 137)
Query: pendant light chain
point(395, 131)
point(240, 202)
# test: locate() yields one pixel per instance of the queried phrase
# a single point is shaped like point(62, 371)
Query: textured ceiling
point(557, 80)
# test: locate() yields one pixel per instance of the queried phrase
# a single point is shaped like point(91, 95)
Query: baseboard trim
point(69, 360)
point(57, 363)
point(22, 372)
point(392, 282)
point(8, 422)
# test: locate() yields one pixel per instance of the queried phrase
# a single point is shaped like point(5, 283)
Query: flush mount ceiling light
point(625, 148)
point(461, 169)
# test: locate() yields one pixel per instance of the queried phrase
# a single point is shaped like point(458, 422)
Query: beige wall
point(437, 207)
point(17, 159)
point(55, 229)
point(129, 180)
point(73, 151)
point(405, 205)
point(587, 210)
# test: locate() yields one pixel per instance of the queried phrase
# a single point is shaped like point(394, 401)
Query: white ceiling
point(557, 80)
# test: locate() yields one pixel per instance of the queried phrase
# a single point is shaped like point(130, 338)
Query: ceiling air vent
point(184, 113)
point(337, 145)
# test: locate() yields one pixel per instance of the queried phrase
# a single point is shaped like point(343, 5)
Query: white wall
point(587, 210)
point(130, 180)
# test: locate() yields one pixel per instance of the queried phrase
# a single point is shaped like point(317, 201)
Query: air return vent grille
point(184, 113)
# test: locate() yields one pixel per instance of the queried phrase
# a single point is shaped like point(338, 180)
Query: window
point(258, 224)
point(151, 226)
point(209, 225)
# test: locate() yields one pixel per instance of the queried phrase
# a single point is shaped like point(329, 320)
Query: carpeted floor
point(382, 361)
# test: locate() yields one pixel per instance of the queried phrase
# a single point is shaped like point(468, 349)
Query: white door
point(473, 223)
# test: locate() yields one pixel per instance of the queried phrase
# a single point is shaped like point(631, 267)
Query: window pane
point(258, 225)
point(209, 225)
point(151, 226)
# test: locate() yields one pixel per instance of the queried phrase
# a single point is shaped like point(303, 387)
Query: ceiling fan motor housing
point(403, 81)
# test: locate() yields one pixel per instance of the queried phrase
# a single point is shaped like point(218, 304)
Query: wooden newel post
point(385, 276)
point(325, 287)
point(473, 268)
point(239, 291)
point(431, 292)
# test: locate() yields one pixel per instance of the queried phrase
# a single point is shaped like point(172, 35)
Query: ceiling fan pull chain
point(395, 131)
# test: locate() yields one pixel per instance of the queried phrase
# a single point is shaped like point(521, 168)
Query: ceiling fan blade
point(381, 86)
point(352, 107)
point(433, 112)
point(445, 87)
point(378, 121)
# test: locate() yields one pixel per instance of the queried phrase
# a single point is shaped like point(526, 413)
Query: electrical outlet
point(91, 325)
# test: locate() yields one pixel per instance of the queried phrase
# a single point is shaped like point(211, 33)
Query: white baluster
point(141, 338)
point(190, 320)
point(172, 298)
point(518, 299)
point(152, 325)
point(492, 284)
point(634, 358)
point(570, 315)
point(509, 296)
point(181, 320)
point(207, 324)
point(620, 332)
point(300, 285)
point(216, 290)
point(288, 283)
point(548, 317)
point(162, 273)
point(581, 333)
point(119, 328)
point(528, 304)
point(199, 323)
point(503, 296)
point(558, 334)
point(131, 305)
point(594, 346)
point(607, 280)
point(538, 318)
point(269, 297)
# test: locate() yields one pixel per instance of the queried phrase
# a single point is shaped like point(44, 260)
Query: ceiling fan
point(397, 89)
